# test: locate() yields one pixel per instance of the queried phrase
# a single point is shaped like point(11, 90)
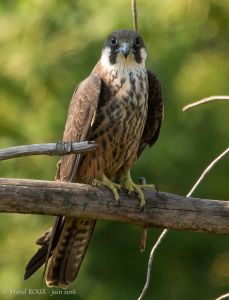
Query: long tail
point(69, 253)
point(69, 246)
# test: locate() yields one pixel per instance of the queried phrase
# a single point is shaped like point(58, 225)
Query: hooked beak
point(125, 49)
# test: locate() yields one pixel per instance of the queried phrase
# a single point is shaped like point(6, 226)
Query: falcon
point(119, 106)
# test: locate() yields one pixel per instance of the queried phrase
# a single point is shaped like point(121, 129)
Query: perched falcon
point(120, 107)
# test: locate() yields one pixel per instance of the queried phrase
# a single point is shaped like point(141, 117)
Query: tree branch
point(59, 148)
point(135, 16)
point(207, 170)
point(85, 201)
point(165, 231)
point(223, 297)
point(204, 101)
point(210, 166)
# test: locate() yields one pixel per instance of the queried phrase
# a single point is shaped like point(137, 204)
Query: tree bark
point(78, 200)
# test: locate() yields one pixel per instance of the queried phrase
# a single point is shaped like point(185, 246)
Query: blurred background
point(46, 48)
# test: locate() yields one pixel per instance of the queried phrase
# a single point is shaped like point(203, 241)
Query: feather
point(65, 232)
point(155, 113)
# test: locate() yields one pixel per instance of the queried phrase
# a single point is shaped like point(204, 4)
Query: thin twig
point(205, 100)
point(207, 170)
point(165, 231)
point(143, 239)
point(135, 16)
point(144, 233)
point(159, 240)
point(223, 297)
point(210, 166)
point(59, 148)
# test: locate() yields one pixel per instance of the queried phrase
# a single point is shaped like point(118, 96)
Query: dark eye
point(113, 41)
point(138, 42)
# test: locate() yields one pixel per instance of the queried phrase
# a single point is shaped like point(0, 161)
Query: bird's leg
point(114, 187)
point(127, 183)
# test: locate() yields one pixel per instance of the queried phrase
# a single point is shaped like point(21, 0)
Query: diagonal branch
point(223, 297)
point(78, 200)
point(165, 231)
point(204, 101)
point(150, 262)
point(207, 170)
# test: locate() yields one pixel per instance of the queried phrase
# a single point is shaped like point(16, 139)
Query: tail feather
point(40, 256)
point(66, 244)
point(36, 262)
point(69, 252)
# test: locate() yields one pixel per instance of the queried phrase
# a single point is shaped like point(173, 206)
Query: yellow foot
point(131, 187)
point(114, 187)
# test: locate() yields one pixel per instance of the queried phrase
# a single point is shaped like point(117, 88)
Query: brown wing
point(155, 113)
point(81, 115)
point(80, 118)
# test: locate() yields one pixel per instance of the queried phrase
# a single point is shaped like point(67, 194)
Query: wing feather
point(80, 117)
point(155, 113)
point(81, 113)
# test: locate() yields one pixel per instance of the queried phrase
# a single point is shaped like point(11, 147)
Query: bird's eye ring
point(113, 41)
point(138, 42)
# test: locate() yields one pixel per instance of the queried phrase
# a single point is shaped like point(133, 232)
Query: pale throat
point(125, 75)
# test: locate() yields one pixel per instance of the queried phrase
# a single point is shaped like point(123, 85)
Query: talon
point(131, 187)
point(142, 199)
point(105, 182)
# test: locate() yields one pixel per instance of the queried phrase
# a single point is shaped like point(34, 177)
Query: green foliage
point(46, 48)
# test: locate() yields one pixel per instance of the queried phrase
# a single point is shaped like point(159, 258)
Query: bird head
point(124, 48)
